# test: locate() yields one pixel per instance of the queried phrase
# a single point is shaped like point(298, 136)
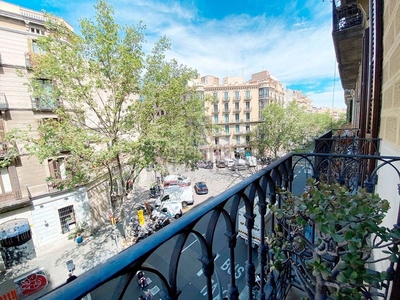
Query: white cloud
point(295, 50)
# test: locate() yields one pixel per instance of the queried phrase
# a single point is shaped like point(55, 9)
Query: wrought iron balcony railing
point(347, 16)
point(46, 104)
point(3, 102)
point(216, 219)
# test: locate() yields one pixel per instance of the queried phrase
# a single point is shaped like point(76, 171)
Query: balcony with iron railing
point(4, 149)
point(348, 29)
point(3, 102)
point(237, 99)
point(247, 98)
point(247, 109)
point(45, 104)
point(237, 109)
point(221, 133)
point(226, 99)
point(164, 253)
point(242, 132)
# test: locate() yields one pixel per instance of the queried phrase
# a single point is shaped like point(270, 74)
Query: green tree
point(122, 110)
point(287, 128)
point(282, 129)
point(348, 229)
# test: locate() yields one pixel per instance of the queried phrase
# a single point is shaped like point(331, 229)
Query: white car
point(177, 179)
point(229, 162)
point(172, 209)
point(175, 193)
point(251, 161)
point(239, 164)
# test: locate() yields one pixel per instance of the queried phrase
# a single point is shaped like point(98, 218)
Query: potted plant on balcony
point(336, 258)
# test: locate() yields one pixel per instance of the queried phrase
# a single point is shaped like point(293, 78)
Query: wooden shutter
point(53, 168)
point(2, 131)
point(12, 173)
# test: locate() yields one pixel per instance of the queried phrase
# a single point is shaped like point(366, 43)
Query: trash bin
point(70, 265)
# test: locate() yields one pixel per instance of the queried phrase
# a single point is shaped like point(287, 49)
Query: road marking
point(154, 290)
point(195, 241)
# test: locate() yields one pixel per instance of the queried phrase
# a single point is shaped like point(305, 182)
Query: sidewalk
point(94, 250)
point(91, 252)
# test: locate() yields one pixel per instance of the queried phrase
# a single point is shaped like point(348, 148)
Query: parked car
point(176, 193)
point(205, 164)
point(208, 165)
point(229, 162)
point(239, 164)
point(201, 188)
point(172, 209)
point(220, 163)
point(184, 179)
point(251, 161)
point(180, 180)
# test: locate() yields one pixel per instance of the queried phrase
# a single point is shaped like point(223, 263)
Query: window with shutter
point(2, 131)
point(57, 168)
point(9, 182)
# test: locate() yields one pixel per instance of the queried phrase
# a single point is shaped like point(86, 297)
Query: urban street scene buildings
point(234, 108)
point(240, 241)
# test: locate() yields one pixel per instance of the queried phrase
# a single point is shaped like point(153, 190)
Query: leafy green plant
point(347, 231)
point(77, 232)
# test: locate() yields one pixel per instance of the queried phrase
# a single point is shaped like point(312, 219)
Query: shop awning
point(13, 228)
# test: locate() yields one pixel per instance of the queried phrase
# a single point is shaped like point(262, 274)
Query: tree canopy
point(118, 108)
point(286, 128)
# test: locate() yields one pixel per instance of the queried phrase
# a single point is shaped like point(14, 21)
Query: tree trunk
point(320, 289)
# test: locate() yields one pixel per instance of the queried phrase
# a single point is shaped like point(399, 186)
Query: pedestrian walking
point(71, 277)
point(149, 296)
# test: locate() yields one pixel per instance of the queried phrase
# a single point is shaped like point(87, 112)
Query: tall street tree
point(286, 128)
point(118, 109)
point(280, 129)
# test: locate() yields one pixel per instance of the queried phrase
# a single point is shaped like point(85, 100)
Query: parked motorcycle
point(141, 279)
point(141, 232)
point(161, 222)
point(155, 191)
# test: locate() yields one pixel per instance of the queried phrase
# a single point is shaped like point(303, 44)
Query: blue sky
point(290, 38)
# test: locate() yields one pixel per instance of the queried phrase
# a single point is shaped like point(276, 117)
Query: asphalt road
point(191, 279)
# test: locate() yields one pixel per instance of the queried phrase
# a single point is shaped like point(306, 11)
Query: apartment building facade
point(366, 36)
point(35, 216)
point(234, 108)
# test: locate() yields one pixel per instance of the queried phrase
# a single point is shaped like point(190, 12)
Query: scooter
point(161, 222)
point(155, 191)
point(142, 281)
